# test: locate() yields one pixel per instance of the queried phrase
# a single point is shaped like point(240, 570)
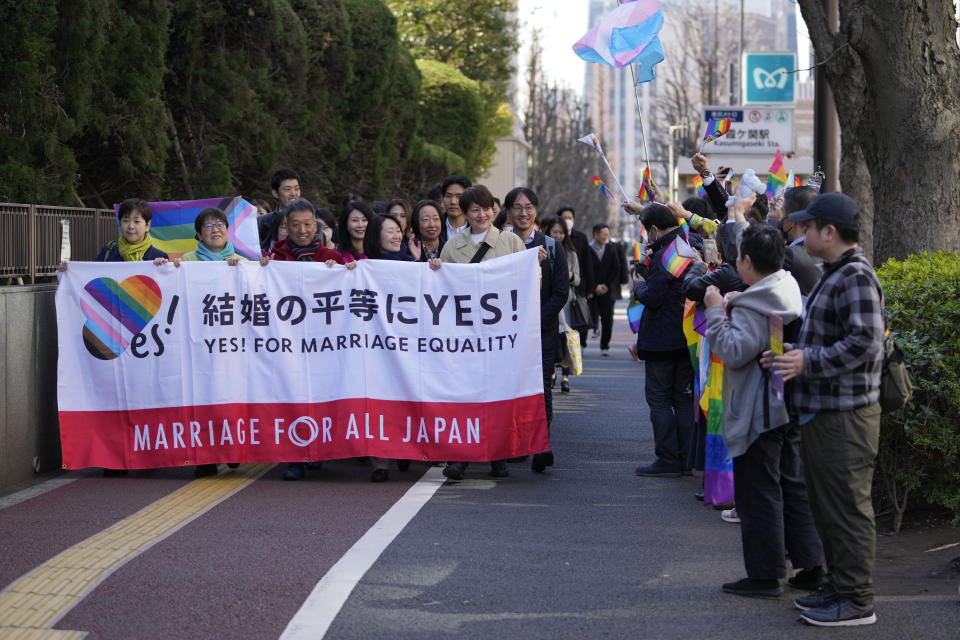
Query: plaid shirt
point(842, 339)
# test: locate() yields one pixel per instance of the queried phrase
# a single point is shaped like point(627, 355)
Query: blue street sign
point(768, 77)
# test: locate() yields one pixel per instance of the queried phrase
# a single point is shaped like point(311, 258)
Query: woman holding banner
point(482, 241)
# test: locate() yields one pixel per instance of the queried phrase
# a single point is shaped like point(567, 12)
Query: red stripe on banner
point(171, 437)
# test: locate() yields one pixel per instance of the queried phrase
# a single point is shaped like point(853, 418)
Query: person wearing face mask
point(582, 245)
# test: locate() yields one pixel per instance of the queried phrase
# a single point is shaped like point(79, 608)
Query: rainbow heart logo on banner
point(115, 312)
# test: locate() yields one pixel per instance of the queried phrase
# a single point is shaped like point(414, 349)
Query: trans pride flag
point(626, 35)
point(173, 232)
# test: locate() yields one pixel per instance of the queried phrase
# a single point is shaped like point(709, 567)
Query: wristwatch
point(705, 173)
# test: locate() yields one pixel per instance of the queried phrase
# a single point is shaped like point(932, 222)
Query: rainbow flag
point(634, 314)
point(698, 183)
point(685, 228)
point(173, 232)
point(646, 187)
point(600, 185)
point(796, 181)
point(677, 257)
point(637, 252)
point(716, 129)
point(777, 180)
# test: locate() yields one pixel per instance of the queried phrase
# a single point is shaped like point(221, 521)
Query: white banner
point(157, 362)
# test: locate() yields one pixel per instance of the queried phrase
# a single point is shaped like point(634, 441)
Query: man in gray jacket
point(764, 443)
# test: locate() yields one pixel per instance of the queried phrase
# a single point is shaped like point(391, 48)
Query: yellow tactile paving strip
point(30, 606)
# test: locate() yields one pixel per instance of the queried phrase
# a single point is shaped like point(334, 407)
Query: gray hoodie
point(737, 338)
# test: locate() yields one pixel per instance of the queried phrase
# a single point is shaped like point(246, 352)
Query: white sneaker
point(730, 515)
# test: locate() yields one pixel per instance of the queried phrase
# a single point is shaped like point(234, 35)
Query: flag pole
point(636, 94)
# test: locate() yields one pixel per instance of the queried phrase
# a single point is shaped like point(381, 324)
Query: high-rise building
point(691, 77)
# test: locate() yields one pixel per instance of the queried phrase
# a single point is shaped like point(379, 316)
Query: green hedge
point(919, 458)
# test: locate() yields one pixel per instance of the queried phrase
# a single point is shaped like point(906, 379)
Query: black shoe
point(379, 475)
point(752, 588)
point(658, 470)
point(564, 386)
point(498, 469)
point(403, 465)
point(204, 470)
point(840, 613)
point(541, 461)
point(114, 473)
point(454, 471)
point(295, 471)
point(816, 600)
point(698, 495)
point(233, 465)
point(808, 579)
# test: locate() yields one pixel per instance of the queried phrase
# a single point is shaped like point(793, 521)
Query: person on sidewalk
point(606, 269)
point(662, 346)
point(835, 369)
point(760, 437)
point(582, 245)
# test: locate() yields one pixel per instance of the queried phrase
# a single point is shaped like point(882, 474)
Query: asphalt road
point(586, 550)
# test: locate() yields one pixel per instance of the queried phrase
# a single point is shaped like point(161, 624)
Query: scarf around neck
point(303, 254)
point(134, 252)
point(205, 254)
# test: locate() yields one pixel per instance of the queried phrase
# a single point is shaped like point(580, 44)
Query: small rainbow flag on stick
point(600, 185)
point(698, 183)
point(646, 187)
point(715, 129)
point(634, 314)
point(677, 257)
point(777, 179)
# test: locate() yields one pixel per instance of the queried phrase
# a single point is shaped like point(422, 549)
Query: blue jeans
point(669, 392)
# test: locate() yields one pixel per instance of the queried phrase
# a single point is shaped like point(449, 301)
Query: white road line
point(323, 604)
point(36, 490)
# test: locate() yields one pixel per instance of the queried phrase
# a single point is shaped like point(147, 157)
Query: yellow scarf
point(134, 252)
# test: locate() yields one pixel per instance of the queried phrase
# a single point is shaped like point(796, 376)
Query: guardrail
point(30, 237)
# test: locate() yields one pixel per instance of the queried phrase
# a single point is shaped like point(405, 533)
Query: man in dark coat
point(521, 206)
point(606, 269)
point(663, 348)
point(285, 185)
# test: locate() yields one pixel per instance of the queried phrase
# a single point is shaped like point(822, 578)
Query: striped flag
point(777, 178)
point(173, 232)
point(698, 183)
point(600, 185)
point(716, 129)
point(627, 35)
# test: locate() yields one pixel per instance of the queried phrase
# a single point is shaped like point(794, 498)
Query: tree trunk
point(894, 69)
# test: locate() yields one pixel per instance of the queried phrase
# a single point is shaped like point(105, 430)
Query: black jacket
point(661, 326)
point(606, 270)
point(554, 288)
point(697, 279)
point(582, 245)
point(804, 268)
point(718, 198)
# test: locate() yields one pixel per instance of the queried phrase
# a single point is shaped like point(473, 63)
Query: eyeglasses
point(214, 225)
point(527, 209)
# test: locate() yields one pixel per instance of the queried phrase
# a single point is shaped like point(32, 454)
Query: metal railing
point(30, 236)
